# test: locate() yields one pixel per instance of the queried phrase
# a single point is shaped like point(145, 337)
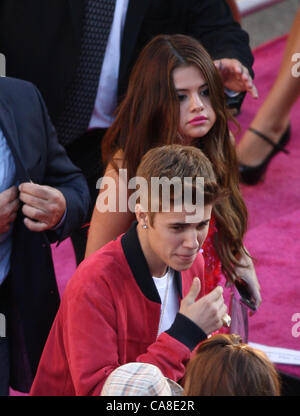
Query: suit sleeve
point(63, 175)
point(212, 23)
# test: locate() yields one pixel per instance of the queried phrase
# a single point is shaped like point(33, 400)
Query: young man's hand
point(208, 311)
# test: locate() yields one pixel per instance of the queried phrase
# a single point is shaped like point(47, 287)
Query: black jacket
point(41, 38)
point(39, 157)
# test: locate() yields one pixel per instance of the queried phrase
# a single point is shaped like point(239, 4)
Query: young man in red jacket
point(135, 299)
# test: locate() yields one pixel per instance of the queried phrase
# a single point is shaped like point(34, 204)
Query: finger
point(35, 226)
point(194, 290)
point(35, 213)
point(8, 213)
point(10, 194)
point(225, 73)
point(13, 206)
point(12, 217)
point(227, 63)
point(39, 191)
point(253, 90)
point(4, 227)
point(220, 306)
point(248, 81)
point(215, 294)
point(240, 68)
point(223, 67)
point(33, 201)
point(222, 311)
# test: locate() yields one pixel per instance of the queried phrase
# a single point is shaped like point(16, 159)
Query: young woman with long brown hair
point(175, 90)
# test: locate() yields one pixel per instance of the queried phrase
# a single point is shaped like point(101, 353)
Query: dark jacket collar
point(139, 267)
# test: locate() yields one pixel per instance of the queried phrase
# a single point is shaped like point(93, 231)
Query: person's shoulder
point(15, 91)
point(103, 267)
point(10, 83)
point(104, 256)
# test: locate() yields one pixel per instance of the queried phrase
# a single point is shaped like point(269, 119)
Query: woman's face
point(196, 113)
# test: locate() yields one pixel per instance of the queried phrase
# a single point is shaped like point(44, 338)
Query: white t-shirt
point(171, 299)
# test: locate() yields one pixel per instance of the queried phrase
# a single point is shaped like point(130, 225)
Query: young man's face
point(171, 241)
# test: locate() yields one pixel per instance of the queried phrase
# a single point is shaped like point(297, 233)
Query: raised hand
point(236, 76)
point(208, 311)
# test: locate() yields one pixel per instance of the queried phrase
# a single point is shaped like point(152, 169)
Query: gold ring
point(226, 320)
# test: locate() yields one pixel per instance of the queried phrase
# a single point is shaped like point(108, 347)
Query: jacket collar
point(139, 267)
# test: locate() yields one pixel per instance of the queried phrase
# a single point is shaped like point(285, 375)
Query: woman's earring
point(145, 226)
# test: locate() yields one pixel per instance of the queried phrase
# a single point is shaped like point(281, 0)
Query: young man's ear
point(141, 216)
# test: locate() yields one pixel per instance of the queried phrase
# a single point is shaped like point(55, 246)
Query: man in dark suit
point(82, 72)
point(43, 198)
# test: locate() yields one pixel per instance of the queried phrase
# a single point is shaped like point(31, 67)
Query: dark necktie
point(81, 94)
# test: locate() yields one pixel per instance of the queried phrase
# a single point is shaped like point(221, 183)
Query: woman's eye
point(205, 92)
point(181, 97)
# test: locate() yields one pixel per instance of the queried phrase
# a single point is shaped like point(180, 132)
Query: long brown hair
point(223, 366)
point(149, 116)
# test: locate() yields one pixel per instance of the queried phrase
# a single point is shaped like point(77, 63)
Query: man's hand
point(208, 311)
point(9, 204)
point(236, 76)
point(43, 206)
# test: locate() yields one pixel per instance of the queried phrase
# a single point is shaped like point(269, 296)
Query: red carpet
point(274, 211)
point(272, 238)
